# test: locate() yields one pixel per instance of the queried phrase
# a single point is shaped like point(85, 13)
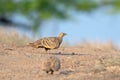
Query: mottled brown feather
point(51, 64)
point(48, 42)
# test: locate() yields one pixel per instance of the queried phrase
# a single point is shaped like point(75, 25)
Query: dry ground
point(77, 63)
point(88, 61)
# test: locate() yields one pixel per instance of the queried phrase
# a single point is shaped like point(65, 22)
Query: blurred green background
point(36, 12)
point(39, 10)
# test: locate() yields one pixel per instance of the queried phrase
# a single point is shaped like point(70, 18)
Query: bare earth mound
point(24, 63)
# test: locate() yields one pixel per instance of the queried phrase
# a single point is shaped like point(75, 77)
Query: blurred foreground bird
point(51, 64)
point(48, 42)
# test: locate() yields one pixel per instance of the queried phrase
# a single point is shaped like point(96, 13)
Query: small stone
point(73, 53)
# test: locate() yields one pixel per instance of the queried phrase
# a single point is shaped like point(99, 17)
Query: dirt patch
point(24, 63)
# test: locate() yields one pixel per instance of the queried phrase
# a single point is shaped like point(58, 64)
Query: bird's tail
point(32, 44)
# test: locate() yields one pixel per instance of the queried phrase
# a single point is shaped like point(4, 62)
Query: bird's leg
point(46, 50)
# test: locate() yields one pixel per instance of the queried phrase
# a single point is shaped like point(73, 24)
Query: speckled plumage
point(51, 64)
point(49, 42)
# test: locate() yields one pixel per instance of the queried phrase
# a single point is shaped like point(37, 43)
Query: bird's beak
point(65, 33)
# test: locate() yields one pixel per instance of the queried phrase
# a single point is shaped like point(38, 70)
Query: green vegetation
point(40, 10)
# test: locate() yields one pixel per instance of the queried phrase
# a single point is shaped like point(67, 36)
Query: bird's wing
point(50, 42)
point(36, 44)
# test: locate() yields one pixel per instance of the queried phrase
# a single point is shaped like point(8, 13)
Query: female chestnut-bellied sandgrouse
point(49, 42)
point(51, 64)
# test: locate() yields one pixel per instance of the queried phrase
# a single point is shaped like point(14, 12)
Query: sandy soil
point(24, 63)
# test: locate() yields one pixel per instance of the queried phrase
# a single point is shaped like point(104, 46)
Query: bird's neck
point(60, 37)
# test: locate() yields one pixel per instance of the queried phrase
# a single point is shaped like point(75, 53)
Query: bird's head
point(62, 34)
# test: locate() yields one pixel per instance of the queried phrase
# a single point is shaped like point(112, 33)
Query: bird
point(49, 43)
point(51, 64)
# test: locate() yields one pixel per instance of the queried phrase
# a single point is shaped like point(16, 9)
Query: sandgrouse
point(48, 42)
point(51, 64)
